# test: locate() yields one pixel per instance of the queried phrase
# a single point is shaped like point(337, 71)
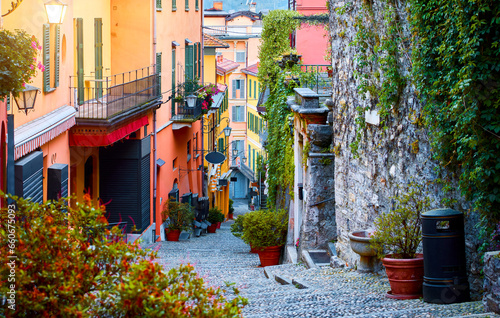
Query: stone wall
point(491, 298)
point(388, 157)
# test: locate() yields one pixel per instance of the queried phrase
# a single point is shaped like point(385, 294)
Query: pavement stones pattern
point(328, 292)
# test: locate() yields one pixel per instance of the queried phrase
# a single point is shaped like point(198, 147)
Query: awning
point(38, 132)
point(101, 139)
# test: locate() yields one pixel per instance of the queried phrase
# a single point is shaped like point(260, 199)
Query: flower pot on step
point(172, 235)
point(270, 256)
point(212, 228)
point(253, 249)
point(218, 225)
point(405, 276)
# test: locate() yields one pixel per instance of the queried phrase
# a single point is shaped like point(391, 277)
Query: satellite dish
point(215, 157)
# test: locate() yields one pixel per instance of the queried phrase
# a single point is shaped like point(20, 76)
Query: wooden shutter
point(199, 59)
point(173, 81)
point(242, 91)
point(98, 55)
point(158, 71)
point(174, 5)
point(46, 57)
point(187, 5)
point(254, 89)
point(79, 58)
point(158, 4)
point(29, 177)
point(235, 115)
point(250, 88)
point(197, 5)
point(234, 88)
point(57, 55)
point(189, 62)
point(196, 75)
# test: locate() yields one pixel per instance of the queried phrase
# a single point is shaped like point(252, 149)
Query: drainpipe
point(203, 192)
point(155, 168)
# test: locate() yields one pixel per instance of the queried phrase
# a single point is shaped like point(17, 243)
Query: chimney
point(218, 5)
point(253, 7)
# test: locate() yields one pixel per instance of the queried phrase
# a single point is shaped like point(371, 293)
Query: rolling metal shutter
point(29, 177)
point(57, 181)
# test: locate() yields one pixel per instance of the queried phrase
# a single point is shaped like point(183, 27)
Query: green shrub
point(399, 231)
point(180, 215)
point(231, 208)
point(237, 226)
point(264, 228)
point(215, 215)
point(59, 274)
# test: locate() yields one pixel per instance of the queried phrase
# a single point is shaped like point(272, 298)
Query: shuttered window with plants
point(79, 58)
point(158, 71)
point(98, 56)
point(51, 74)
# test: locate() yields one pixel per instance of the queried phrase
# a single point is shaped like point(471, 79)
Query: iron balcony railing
point(182, 112)
point(103, 98)
point(319, 79)
point(233, 31)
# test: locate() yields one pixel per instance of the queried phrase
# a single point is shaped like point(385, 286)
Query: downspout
point(155, 168)
point(203, 192)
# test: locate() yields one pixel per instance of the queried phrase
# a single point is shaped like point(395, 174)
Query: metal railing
point(97, 98)
point(229, 30)
point(182, 112)
point(318, 79)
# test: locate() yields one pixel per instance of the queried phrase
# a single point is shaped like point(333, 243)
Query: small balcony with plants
point(191, 100)
point(106, 99)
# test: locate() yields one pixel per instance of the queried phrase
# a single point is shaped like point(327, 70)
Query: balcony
point(320, 80)
point(114, 97)
point(181, 112)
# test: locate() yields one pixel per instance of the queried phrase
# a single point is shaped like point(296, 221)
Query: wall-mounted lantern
point(55, 11)
point(26, 99)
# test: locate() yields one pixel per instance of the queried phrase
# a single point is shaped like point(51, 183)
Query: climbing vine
point(457, 71)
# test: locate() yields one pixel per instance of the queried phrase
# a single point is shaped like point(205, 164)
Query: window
point(238, 113)
point(197, 5)
point(174, 5)
point(187, 5)
point(189, 150)
point(189, 59)
point(240, 56)
point(51, 75)
point(174, 164)
point(158, 5)
point(255, 89)
point(250, 87)
point(158, 71)
point(239, 88)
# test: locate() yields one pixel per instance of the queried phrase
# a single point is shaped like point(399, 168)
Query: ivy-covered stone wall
point(376, 154)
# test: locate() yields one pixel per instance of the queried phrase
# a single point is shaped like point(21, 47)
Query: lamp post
point(26, 99)
point(56, 10)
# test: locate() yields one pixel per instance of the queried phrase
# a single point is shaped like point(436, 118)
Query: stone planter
point(491, 298)
point(360, 244)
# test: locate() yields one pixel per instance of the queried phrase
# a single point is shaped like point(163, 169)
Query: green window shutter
point(57, 55)
point(189, 62)
point(174, 5)
point(187, 5)
point(255, 89)
point(196, 60)
point(158, 71)
point(46, 57)
point(250, 87)
point(197, 5)
point(79, 57)
point(173, 80)
point(249, 155)
point(253, 161)
point(98, 55)
point(199, 59)
point(158, 4)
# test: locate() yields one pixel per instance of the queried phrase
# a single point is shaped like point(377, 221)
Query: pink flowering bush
point(18, 61)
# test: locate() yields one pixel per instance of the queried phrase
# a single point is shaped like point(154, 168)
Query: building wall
point(312, 41)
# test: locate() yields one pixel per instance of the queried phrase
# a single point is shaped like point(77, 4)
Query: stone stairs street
point(323, 292)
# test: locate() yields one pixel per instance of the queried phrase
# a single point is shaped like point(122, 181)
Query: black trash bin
point(445, 274)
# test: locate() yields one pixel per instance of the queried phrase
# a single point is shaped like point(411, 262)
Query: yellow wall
point(210, 65)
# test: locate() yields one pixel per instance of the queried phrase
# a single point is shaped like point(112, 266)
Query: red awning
point(98, 139)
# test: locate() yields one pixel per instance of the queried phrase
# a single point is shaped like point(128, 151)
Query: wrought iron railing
point(97, 98)
point(182, 112)
point(319, 79)
point(229, 30)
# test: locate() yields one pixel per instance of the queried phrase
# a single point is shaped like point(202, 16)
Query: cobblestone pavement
point(221, 258)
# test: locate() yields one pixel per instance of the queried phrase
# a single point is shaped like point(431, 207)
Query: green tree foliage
point(457, 71)
point(70, 265)
point(275, 41)
point(18, 64)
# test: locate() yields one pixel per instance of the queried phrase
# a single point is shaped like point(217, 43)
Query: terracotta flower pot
point(212, 228)
point(172, 235)
point(230, 216)
point(218, 225)
point(405, 276)
point(270, 255)
point(253, 249)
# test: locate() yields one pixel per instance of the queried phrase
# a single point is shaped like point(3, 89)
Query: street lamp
point(227, 131)
point(191, 100)
point(55, 11)
point(235, 152)
point(26, 99)
point(244, 159)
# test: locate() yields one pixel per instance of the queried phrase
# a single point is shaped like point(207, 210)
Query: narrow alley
point(324, 292)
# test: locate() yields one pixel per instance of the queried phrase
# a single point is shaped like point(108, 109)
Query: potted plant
point(266, 231)
point(398, 234)
point(230, 213)
point(215, 217)
point(237, 229)
point(180, 217)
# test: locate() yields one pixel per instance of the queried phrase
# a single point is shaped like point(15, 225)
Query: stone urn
point(360, 244)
